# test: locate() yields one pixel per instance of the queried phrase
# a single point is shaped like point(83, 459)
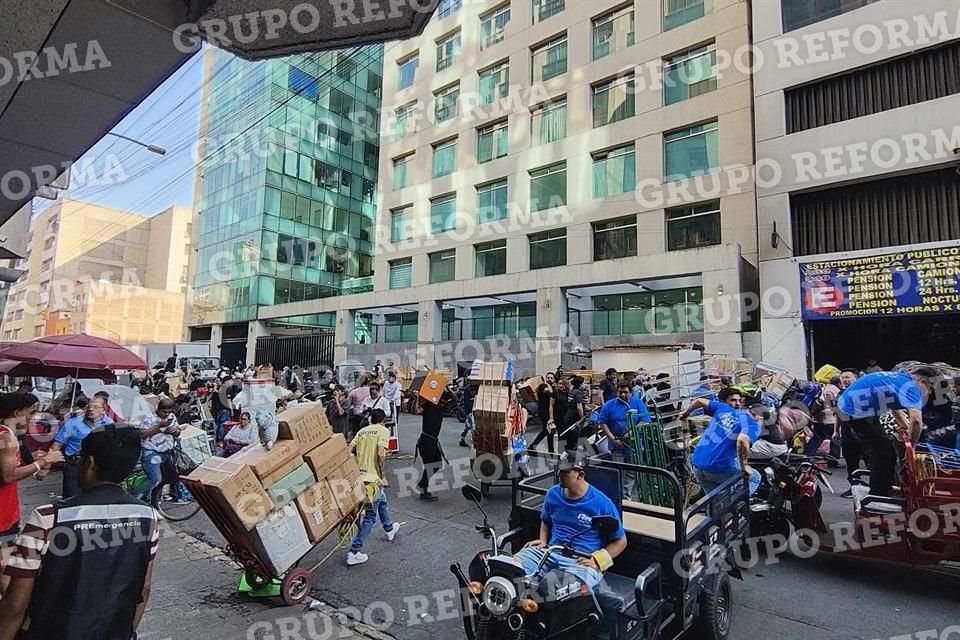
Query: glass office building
point(288, 182)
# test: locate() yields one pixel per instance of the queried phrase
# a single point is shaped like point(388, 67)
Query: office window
point(407, 71)
point(448, 48)
point(446, 103)
point(492, 201)
point(406, 120)
point(549, 60)
point(444, 158)
point(693, 226)
point(494, 83)
point(657, 312)
point(442, 266)
point(443, 213)
point(613, 101)
point(448, 7)
point(548, 249)
point(401, 273)
point(800, 13)
point(613, 32)
point(543, 9)
point(548, 122)
point(691, 152)
point(401, 224)
point(299, 81)
point(400, 327)
point(614, 171)
point(491, 258)
point(548, 187)
point(504, 321)
point(492, 141)
point(679, 12)
point(615, 238)
point(493, 26)
point(400, 172)
point(689, 74)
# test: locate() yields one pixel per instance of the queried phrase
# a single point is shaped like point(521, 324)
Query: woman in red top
point(15, 412)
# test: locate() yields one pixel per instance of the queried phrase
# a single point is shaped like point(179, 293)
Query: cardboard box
point(430, 386)
point(284, 491)
point(327, 457)
point(281, 540)
point(264, 373)
point(496, 372)
point(307, 424)
point(235, 490)
point(273, 464)
point(528, 390)
point(491, 401)
point(347, 487)
point(318, 511)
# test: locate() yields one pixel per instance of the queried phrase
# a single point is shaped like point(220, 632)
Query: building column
point(344, 334)
point(551, 328)
point(429, 332)
point(723, 312)
point(255, 329)
point(216, 337)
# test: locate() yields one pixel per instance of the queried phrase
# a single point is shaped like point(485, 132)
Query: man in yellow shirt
point(370, 446)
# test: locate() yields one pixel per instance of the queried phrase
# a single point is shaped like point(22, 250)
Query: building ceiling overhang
point(70, 70)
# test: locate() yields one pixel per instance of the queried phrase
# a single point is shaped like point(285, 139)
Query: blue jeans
point(152, 463)
point(529, 558)
point(710, 481)
point(629, 477)
point(222, 416)
point(379, 509)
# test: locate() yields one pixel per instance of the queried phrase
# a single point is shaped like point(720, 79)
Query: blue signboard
point(896, 284)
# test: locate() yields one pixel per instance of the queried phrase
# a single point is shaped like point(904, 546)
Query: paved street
point(195, 588)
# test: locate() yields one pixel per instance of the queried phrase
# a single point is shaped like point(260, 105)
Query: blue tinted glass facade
point(288, 181)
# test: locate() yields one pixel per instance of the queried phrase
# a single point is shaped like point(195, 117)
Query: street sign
point(896, 284)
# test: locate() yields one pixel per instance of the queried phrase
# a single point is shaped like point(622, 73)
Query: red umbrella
point(77, 352)
point(16, 369)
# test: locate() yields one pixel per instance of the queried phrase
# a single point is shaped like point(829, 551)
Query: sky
point(120, 174)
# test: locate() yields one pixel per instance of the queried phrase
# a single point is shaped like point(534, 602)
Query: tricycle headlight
point(499, 595)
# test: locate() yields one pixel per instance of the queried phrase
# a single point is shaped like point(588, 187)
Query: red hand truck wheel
point(295, 587)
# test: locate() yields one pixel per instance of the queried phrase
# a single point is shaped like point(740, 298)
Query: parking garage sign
point(896, 284)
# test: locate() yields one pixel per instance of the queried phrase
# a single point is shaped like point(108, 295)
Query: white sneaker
point(354, 559)
point(393, 532)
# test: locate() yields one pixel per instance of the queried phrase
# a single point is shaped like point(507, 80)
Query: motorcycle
point(789, 494)
point(507, 602)
point(457, 409)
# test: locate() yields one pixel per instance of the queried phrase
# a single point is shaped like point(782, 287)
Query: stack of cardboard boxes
point(492, 431)
point(286, 498)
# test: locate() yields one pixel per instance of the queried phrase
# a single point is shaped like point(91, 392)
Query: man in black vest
point(82, 568)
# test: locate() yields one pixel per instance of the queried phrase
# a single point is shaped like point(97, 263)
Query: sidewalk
point(195, 589)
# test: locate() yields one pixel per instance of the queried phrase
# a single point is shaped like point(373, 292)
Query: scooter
point(502, 601)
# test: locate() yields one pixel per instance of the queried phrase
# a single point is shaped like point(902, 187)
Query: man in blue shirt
point(723, 449)
point(568, 509)
point(613, 423)
point(609, 385)
point(866, 399)
point(729, 399)
point(70, 437)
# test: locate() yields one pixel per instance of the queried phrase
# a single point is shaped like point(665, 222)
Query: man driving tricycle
point(590, 564)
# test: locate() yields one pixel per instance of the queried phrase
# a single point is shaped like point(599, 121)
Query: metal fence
point(314, 350)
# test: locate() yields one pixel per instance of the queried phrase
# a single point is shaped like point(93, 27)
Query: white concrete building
point(858, 103)
point(543, 189)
